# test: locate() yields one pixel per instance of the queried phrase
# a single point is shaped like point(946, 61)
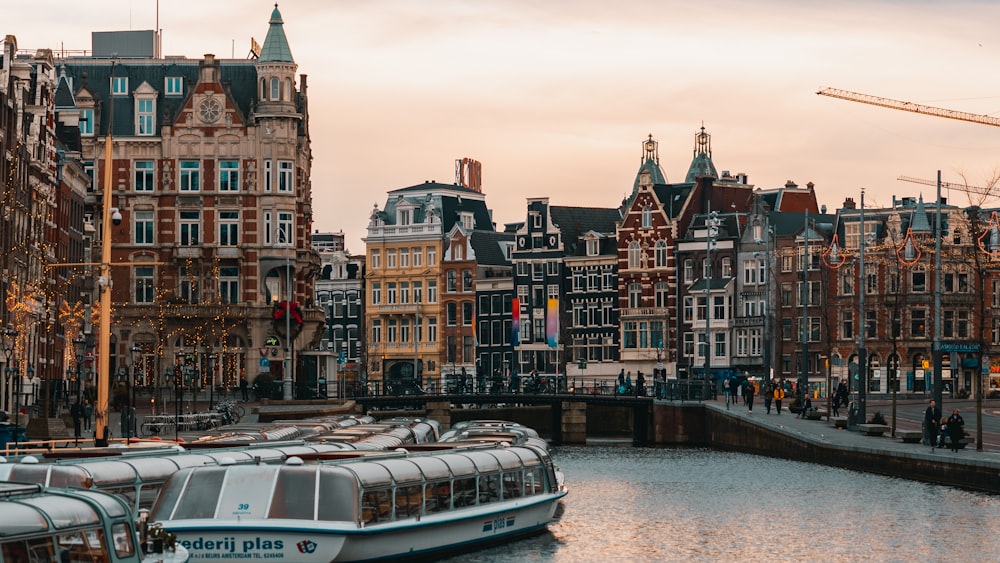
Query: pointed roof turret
point(918, 221)
point(649, 169)
point(275, 47)
point(701, 164)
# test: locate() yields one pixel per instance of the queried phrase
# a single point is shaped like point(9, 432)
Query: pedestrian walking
point(621, 382)
point(930, 427)
point(244, 389)
point(956, 429)
point(640, 384)
point(768, 396)
point(748, 396)
point(88, 412)
point(779, 394)
point(725, 392)
point(76, 411)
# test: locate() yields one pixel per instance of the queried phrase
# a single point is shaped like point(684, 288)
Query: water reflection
point(639, 504)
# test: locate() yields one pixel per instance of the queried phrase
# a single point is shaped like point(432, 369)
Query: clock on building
point(210, 110)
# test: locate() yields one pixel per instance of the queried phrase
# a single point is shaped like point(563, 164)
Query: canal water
point(664, 504)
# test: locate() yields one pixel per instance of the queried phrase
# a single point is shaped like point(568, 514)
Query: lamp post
point(9, 335)
point(712, 222)
point(136, 355)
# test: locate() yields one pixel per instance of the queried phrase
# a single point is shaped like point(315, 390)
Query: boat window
point(372, 475)
point(484, 462)
point(65, 512)
point(83, 546)
point(459, 464)
point(402, 470)
point(19, 519)
point(147, 495)
point(534, 482)
point(375, 506)
point(437, 497)
point(409, 501)
point(163, 507)
point(247, 491)
point(513, 485)
point(201, 494)
point(14, 550)
point(432, 468)
point(489, 488)
point(464, 492)
point(338, 491)
point(294, 494)
point(29, 473)
point(41, 549)
point(121, 535)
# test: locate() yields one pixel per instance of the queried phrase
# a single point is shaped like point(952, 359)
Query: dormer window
point(536, 220)
point(404, 216)
point(87, 122)
point(119, 85)
point(145, 109)
point(593, 246)
point(467, 220)
point(174, 85)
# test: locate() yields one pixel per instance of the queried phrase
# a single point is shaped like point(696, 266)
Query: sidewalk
point(822, 432)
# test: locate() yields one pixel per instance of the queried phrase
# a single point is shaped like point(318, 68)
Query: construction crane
point(974, 190)
point(909, 106)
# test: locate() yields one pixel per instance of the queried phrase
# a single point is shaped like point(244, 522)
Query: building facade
point(210, 171)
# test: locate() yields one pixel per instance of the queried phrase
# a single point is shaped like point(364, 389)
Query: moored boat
point(53, 524)
point(411, 504)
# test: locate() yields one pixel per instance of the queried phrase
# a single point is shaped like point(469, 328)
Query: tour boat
point(53, 524)
point(368, 509)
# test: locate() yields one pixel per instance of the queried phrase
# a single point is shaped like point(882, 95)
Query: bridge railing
point(543, 384)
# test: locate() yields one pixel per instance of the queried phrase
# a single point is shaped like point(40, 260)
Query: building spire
point(275, 47)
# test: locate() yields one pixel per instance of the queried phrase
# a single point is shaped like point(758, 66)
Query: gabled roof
point(487, 245)
point(275, 48)
point(673, 197)
point(574, 221)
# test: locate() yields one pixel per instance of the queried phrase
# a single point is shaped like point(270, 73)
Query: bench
point(839, 421)
point(873, 429)
point(815, 414)
point(910, 436)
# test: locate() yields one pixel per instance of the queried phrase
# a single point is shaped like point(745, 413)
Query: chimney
point(849, 203)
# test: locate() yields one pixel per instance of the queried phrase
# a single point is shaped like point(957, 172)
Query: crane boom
point(909, 106)
point(977, 190)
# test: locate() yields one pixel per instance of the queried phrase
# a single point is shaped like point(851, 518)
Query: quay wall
point(735, 434)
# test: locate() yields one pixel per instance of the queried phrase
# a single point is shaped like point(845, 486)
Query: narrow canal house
point(211, 174)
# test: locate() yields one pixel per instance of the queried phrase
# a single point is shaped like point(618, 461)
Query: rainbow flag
point(552, 323)
point(515, 325)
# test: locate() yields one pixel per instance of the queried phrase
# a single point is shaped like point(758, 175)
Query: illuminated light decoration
point(283, 308)
point(989, 241)
point(908, 253)
point(515, 326)
point(834, 255)
point(552, 323)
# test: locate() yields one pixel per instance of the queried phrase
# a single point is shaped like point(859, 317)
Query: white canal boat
point(43, 525)
point(390, 507)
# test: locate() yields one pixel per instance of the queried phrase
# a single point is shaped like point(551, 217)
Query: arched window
point(660, 254)
point(287, 94)
point(275, 89)
point(263, 88)
point(634, 255)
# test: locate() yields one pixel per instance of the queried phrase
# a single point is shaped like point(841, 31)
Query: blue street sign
point(264, 362)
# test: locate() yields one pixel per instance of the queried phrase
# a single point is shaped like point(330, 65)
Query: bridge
point(567, 409)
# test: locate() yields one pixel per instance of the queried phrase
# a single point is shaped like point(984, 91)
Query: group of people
point(939, 430)
point(82, 414)
point(625, 384)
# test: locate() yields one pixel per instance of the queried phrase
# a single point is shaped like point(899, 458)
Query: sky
point(555, 98)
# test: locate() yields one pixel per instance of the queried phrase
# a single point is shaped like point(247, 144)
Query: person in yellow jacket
point(779, 394)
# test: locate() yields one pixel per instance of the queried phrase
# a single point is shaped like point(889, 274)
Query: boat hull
point(311, 541)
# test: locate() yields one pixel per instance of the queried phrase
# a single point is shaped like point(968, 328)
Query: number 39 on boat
point(378, 507)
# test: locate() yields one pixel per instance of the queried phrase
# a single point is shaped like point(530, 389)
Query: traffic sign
point(264, 362)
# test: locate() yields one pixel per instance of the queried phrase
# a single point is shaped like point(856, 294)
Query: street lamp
point(9, 335)
point(712, 222)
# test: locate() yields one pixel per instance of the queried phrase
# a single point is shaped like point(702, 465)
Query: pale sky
point(556, 97)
